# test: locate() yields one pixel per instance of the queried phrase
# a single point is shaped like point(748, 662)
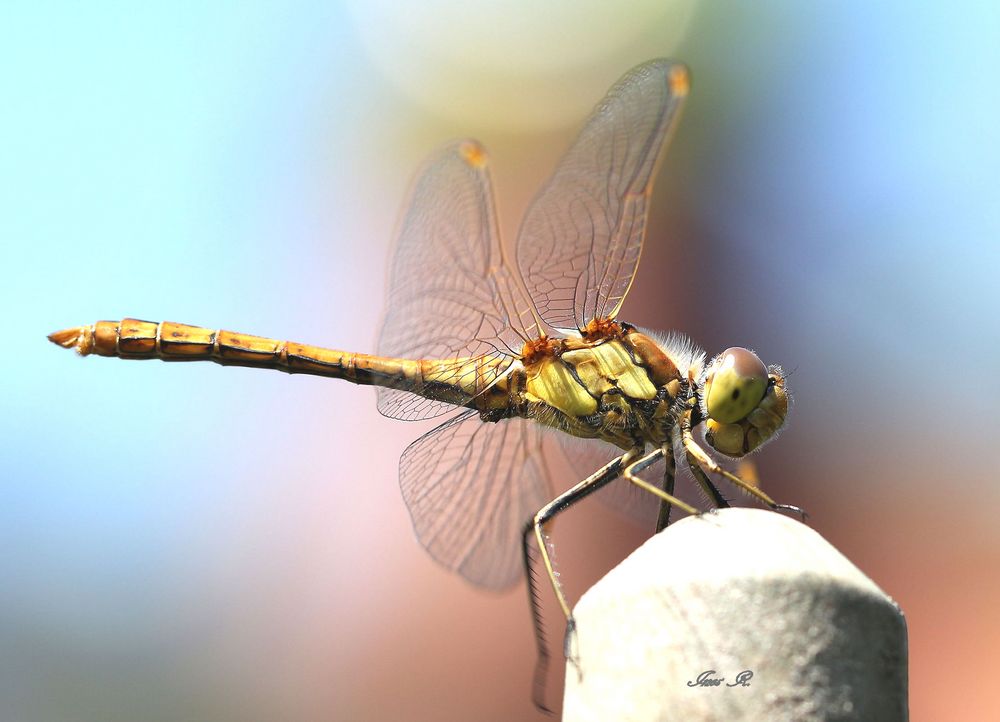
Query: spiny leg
point(541, 643)
point(711, 489)
point(645, 462)
point(534, 528)
point(706, 462)
point(669, 471)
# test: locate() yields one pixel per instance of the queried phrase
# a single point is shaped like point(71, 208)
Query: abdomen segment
point(452, 380)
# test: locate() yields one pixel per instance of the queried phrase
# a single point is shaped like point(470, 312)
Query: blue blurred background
point(193, 542)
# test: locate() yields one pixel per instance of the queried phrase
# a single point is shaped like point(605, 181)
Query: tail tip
point(80, 338)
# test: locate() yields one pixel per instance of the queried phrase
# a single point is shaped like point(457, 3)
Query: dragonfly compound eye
point(737, 381)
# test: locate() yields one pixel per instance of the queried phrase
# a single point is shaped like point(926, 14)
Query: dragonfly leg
point(535, 529)
point(669, 472)
point(701, 459)
point(718, 500)
point(648, 460)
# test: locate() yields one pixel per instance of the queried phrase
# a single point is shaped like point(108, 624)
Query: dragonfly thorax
point(622, 388)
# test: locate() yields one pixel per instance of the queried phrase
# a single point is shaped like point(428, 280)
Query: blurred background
point(191, 542)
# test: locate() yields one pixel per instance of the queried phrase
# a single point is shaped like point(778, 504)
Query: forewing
point(448, 293)
point(580, 241)
point(470, 487)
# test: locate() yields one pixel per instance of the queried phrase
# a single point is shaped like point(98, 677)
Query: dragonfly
point(515, 349)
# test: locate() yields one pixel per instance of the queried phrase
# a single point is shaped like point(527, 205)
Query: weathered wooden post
point(742, 614)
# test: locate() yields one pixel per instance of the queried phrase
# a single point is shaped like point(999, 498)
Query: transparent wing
point(470, 487)
point(580, 241)
point(450, 294)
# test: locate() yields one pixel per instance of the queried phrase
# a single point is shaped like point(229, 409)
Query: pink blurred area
point(193, 542)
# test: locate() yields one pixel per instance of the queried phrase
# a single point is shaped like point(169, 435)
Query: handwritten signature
point(707, 679)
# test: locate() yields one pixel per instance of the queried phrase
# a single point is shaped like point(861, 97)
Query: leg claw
point(792, 509)
point(570, 646)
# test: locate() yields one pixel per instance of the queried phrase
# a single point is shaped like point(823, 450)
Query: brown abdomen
point(450, 380)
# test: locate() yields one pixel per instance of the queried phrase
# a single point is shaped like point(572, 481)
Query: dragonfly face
point(525, 345)
point(744, 403)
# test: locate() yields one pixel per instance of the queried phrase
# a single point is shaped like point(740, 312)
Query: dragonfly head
point(743, 401)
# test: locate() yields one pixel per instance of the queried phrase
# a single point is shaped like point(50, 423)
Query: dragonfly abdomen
point(168, 341)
